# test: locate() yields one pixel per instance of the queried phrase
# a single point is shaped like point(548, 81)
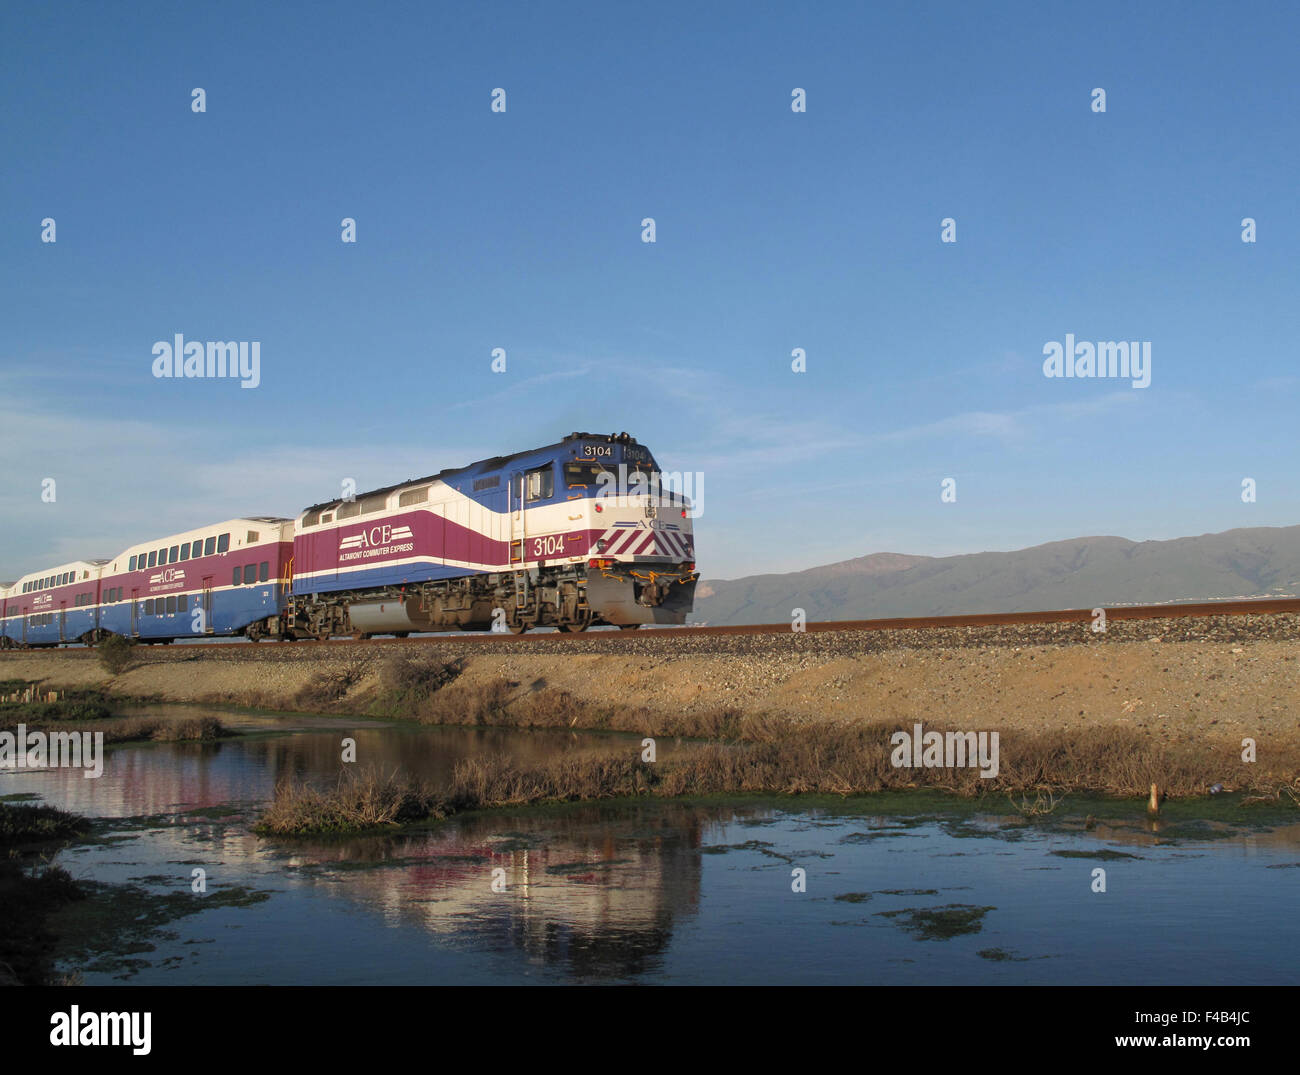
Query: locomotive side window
point(250, 574)
point(153, 559)
point(185, 551)
point(182, 602)
point(264, 571)
point(209, 546)
point(541, 483)
point(197, 550)
point(131, 566)
point(173, 555)
point(235, 576)
point(223, 543)
point(171, 604)
point(148, 607)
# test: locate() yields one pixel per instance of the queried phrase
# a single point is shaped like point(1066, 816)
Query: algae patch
point(940, 923)
point(116, 923)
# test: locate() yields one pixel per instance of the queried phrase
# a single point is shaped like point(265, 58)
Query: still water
point(646, 892)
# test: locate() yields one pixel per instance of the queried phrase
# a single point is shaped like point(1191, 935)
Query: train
point(572, 535)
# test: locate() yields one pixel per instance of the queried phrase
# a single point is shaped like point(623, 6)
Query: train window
point(171, 604)
point(209, 546)
point(153, 558)
point(185, 551)
point(541, 483)
point(131, 566)
point(347, 511)
point(416, 496)
point(182, 602)
point(196, 550)
point(173, 554)
point(264, 571)
point(487, 483)
point(252, 537)
point(148, 607)
point(250, 574)
point(162, 557)
point(223, 543)
point(235, 576)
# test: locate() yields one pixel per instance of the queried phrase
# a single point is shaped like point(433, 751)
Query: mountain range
point(1085, 572)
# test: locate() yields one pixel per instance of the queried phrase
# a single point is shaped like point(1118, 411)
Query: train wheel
point(628, 626)
point(517, 628)
point(573, 628)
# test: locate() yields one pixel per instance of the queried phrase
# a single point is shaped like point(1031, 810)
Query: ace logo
point(376, 537)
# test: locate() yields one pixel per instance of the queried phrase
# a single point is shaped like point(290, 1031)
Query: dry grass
point(815, 759)
point(155, 729)
point(325, 691)
point(361, 800)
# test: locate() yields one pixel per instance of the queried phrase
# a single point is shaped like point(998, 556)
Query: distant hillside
point(1080, 573)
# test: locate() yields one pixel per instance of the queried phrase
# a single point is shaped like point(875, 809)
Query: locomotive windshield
point(590, 474)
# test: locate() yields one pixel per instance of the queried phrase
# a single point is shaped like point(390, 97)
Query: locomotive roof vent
point(613, 438)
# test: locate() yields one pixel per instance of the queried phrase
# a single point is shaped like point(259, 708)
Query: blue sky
point(775, 230)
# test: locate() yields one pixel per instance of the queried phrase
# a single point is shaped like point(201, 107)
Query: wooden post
point(1153, 804)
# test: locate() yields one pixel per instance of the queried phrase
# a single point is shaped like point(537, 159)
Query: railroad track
point(1258, 607)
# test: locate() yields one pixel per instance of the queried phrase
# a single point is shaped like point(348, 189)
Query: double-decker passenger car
point(53, 606)
point(228, 578)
